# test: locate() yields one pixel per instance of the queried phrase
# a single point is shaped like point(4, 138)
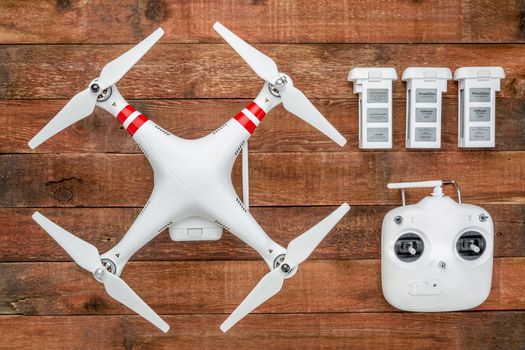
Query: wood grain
point(219, 286)
point(280, 132)
point(357, 236)
point(284, 179)
point(190, 83)
point(66, 21)
point(368, 331)
point(216, 71)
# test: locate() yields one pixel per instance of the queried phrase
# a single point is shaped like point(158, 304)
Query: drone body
point(192, 178)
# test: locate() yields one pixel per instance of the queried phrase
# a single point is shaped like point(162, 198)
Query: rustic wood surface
point(303, 179)
point(280, 132)
point(217, 286)
point(356, 237)
point(216, 71)
point(190, 83)
point(302, 21)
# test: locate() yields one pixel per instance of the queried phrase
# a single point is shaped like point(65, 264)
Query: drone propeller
point(87, 257)
point(299, 249)
point(83, 103)
point(294, 101)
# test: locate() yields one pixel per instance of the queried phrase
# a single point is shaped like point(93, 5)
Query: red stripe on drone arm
point(125, 113)
point(246, 122)
point(136, 124)
point(256, 110)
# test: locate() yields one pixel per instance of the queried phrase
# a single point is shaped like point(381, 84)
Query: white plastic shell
point(425, 87)
point(440, 279)
point(374, 87)
point(195, 228)
point(477, 87)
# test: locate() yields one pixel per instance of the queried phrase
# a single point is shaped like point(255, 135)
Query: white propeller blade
point(121, 292)
point(261, 64)
point(267, 287)
point(87, 256)
point(83, 103)
point(116, 69)
point(297, 103)
point(79, 107)
point(299, 249)
point(84, 254)
point(293, 100)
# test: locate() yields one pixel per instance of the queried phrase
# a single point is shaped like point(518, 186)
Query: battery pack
point(425, 87)
point(374, 87)
point(477, 87)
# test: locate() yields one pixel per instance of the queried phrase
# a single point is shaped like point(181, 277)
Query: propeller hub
point(99, 274)
point(285, 268)
point(95, 88)
point(279, 83)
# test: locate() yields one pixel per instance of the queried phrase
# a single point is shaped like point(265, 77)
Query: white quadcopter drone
point(192, 178)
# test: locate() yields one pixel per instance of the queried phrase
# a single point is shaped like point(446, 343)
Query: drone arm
point(225, 207)
point(251, 116)
point(131, 119)
point(154, 218)
point(243, 226)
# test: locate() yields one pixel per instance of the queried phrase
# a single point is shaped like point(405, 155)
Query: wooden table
point(93, 180)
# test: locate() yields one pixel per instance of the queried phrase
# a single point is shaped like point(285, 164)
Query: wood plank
point(284, 179)
point(357, 236)
point(218, 287)
point(99, 21)
point(187, 85)
point(280, 132)
point(216, 71)
point(397, 331)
